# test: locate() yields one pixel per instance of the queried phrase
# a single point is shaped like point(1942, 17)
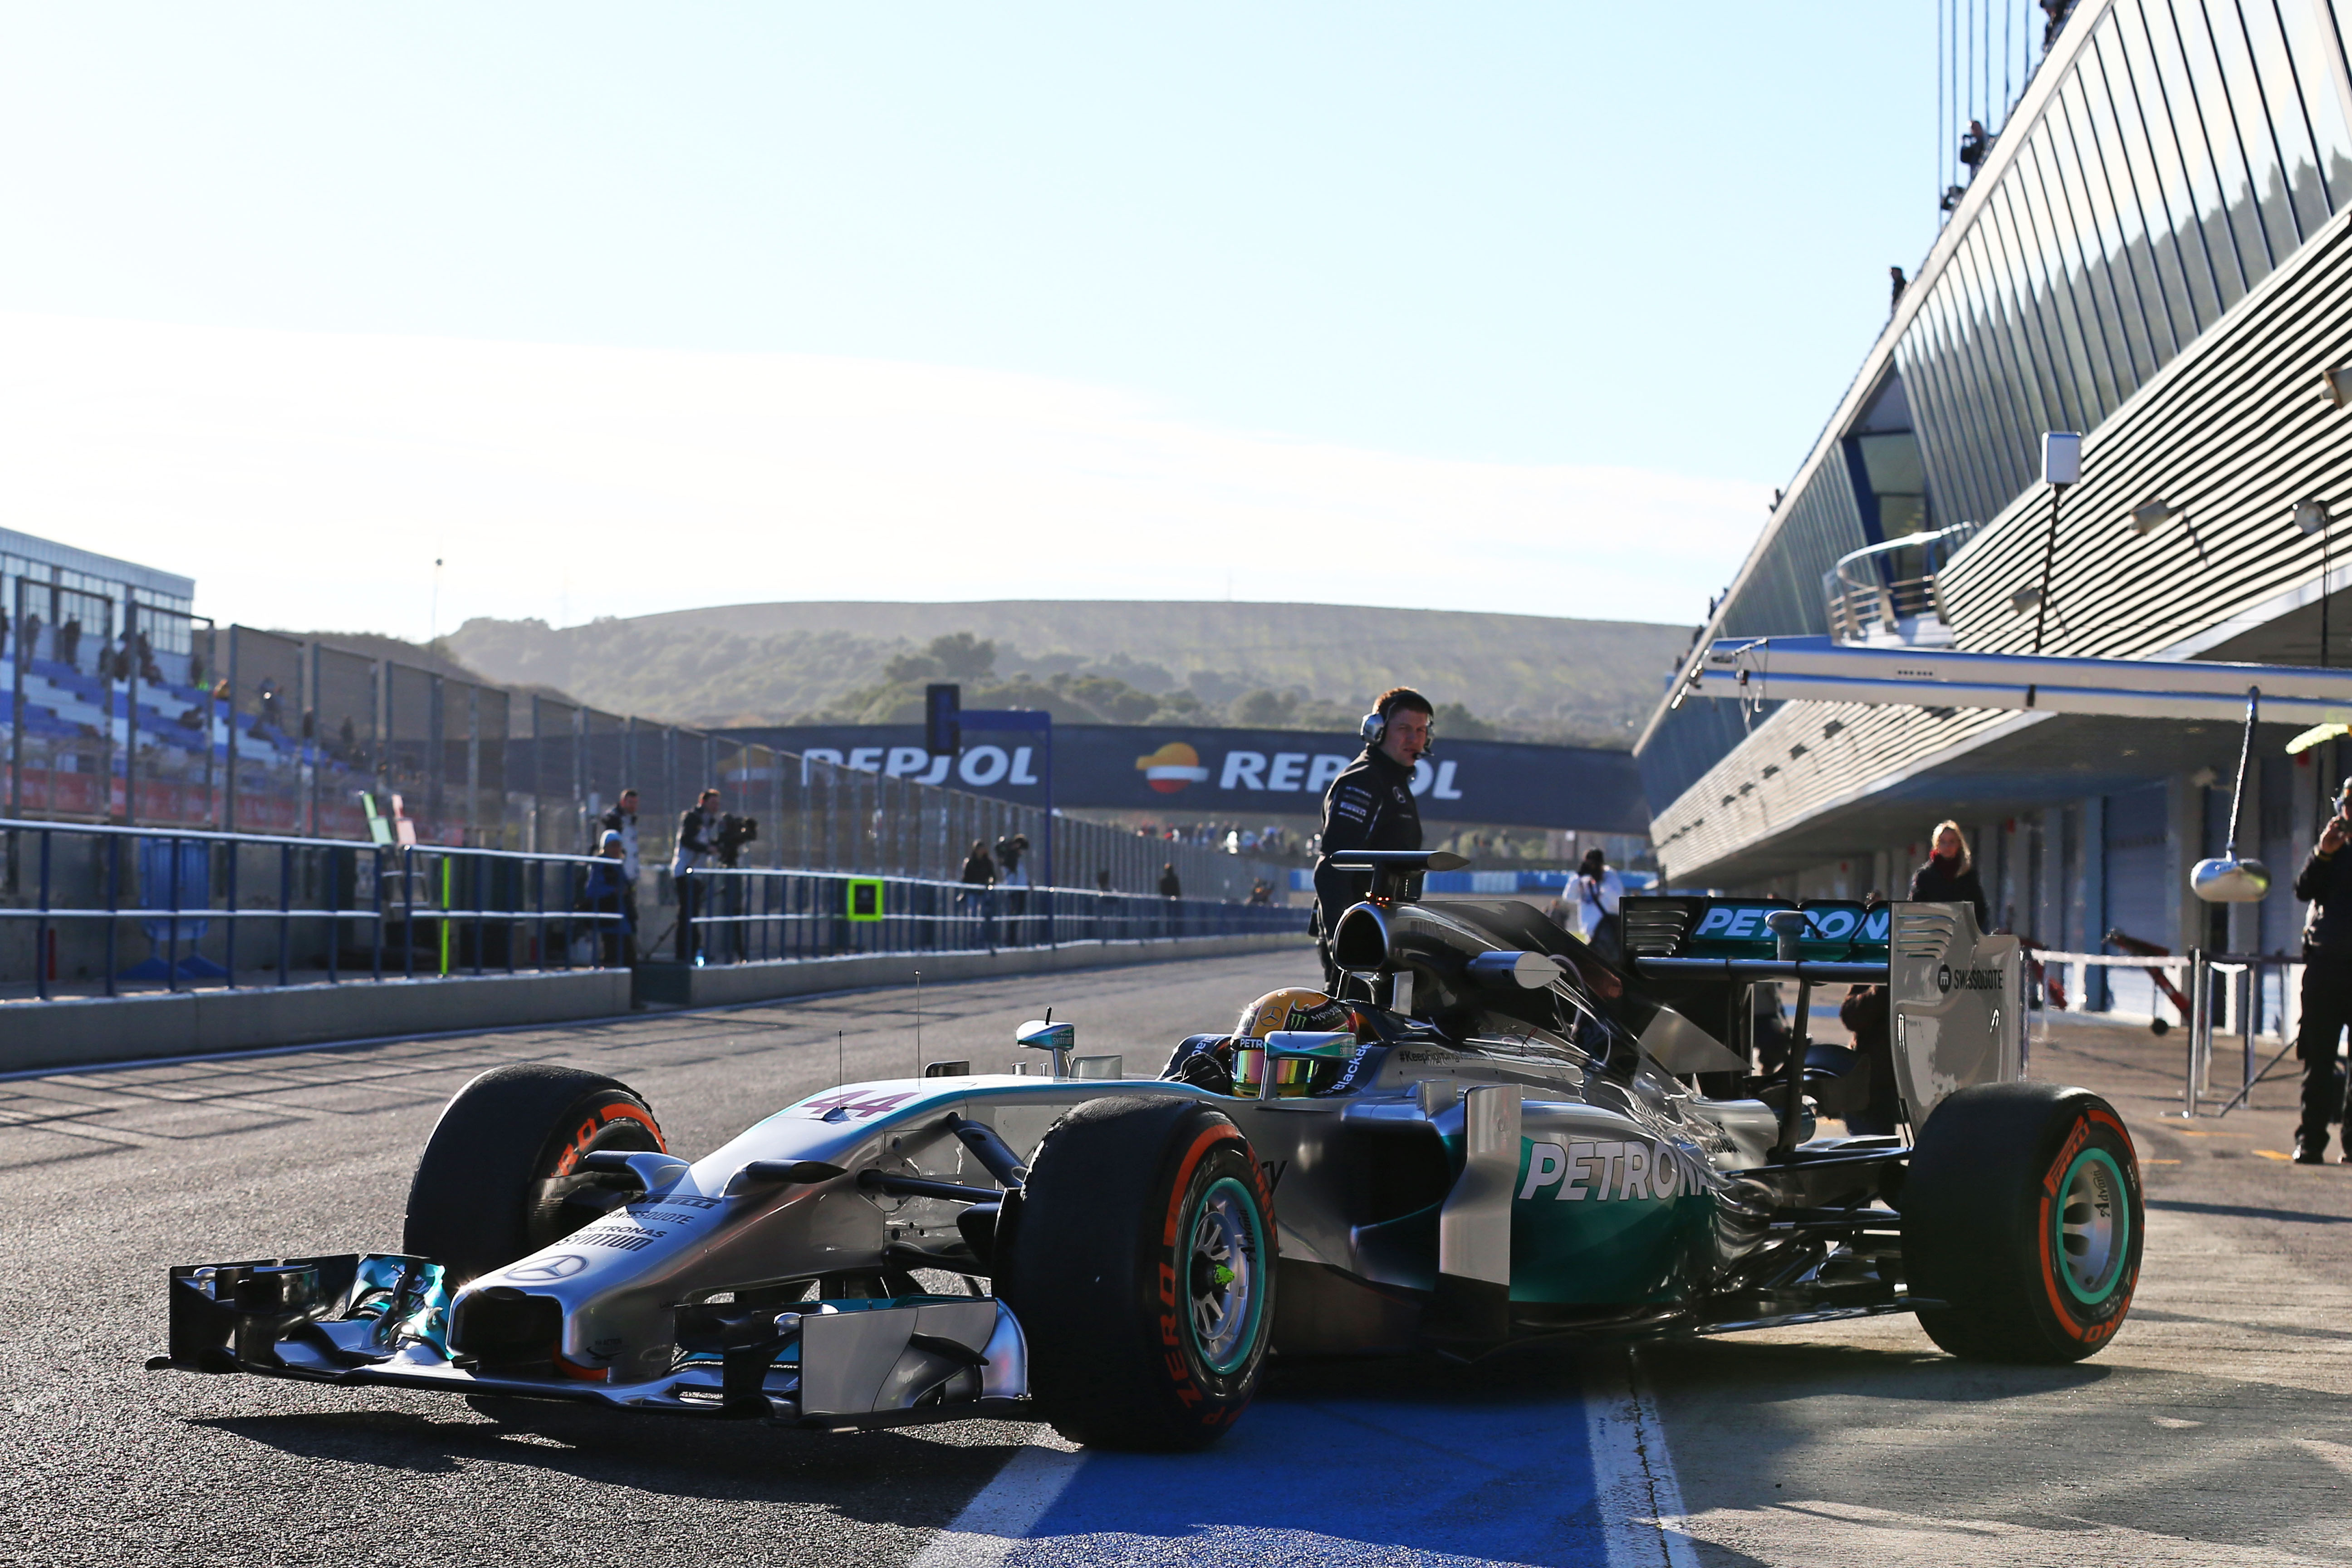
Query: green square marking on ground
point(865, 897)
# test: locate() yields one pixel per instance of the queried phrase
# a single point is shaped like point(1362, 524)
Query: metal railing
point(325, 908)
point(2224, 993)
point(750, 916)
point(1867, 602)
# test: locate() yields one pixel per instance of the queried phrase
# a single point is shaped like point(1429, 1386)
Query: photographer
point(2326, 882)
point(698, 834)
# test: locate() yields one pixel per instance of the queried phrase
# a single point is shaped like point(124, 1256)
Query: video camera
point(734, 832)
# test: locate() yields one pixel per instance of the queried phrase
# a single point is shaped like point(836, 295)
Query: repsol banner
point(1202, 774)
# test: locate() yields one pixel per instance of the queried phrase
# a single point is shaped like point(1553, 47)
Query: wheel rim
point(2091, 1226)
point(1224, 1275)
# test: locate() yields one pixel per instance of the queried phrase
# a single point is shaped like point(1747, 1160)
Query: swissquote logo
point(1171, 767)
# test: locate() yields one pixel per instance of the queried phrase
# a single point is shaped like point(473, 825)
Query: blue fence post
point(334, 912)
point(285, 910)
point(377, 851)
point(114, 902)
point(229, 936)
point(41, 951)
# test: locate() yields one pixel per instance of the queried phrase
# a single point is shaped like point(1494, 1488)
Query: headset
point(1375, 727)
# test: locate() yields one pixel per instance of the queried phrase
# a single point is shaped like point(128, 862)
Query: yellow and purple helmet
point(1297, 1008)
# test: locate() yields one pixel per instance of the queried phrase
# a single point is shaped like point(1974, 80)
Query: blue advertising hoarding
point(1186, 773)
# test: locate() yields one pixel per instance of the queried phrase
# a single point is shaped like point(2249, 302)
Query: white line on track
point(1634, 1488)
point(1000, 1518)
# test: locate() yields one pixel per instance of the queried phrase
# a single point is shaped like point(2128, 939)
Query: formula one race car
point(1491, 1137)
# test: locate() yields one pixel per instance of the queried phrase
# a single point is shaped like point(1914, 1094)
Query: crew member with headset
point(2326, 882)
point(1370, 806)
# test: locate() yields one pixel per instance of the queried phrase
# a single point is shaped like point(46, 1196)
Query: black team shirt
point(1368, 807)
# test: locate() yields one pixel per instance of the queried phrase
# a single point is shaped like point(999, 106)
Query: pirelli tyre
point(500, 1176)
point(1141, 1264)
point(2022, 1217)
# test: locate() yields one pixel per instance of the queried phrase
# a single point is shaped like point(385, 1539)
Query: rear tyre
point(1141, 1268)
point(498, 1178)
point(2022, 1214)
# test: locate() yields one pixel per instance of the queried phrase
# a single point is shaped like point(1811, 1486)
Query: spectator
point(1974, 145)
point(979, 877)
point(619, 823)
point(1895, 281)
point(1948, 877)
point(1013, 878)
point(2325, 880)
point(2056, 11)
point(70, 640)
point(697, 828)
point(1102, 880)
point(1170, 887)
point(1600, 898)
point(605, 891)
point(1261, 892)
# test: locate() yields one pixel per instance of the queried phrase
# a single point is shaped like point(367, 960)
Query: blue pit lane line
point(1341, 1482)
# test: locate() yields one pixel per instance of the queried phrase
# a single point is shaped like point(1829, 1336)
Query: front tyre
point(2022, 1214)
point(1141, 1267)
point(499, 1178)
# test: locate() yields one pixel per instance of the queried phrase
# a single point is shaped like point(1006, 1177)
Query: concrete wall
point(200, 1023)
point(719, 985)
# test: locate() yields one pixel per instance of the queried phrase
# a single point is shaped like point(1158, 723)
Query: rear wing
point(1958, 994)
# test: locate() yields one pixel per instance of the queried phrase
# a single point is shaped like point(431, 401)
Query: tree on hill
point(957, 655)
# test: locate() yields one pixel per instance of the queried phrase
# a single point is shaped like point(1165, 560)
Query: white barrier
point(2197, 966)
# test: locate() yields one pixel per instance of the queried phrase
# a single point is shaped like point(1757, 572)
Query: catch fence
point(753, 916)
point(141, 716)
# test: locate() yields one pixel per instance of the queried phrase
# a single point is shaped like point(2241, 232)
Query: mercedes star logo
point(563, 1266)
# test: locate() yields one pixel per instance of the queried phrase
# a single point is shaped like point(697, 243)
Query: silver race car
point(1489, 1137)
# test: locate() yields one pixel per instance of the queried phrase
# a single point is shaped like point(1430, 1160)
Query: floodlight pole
point(2049, 561)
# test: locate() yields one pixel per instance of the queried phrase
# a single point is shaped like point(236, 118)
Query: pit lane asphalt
point(120, 1173)
point(2214, 1430)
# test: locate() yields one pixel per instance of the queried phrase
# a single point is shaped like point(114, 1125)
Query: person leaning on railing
point(697, 829)
point(2326, 883)
point(604, 891)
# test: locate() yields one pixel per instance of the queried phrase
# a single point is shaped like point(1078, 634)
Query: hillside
point(1522, 677)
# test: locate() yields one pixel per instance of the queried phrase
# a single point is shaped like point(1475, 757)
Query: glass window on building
point(1890, 481)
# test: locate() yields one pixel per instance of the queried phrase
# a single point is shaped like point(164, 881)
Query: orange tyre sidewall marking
point(585, 1133)
point(1185, 1388)
point(2119, 1303)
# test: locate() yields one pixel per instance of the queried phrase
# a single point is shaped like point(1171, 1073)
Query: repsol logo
point(1950, 979)
point(1604, 1172)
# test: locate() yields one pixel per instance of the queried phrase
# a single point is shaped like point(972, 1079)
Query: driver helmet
point(1297, 1008)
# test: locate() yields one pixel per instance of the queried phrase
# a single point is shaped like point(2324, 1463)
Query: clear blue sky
point(1634, 235)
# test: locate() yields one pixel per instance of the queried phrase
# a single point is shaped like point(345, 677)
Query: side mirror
point(1291, 1045)
point(1301, 1045)
point(1045, 1034)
